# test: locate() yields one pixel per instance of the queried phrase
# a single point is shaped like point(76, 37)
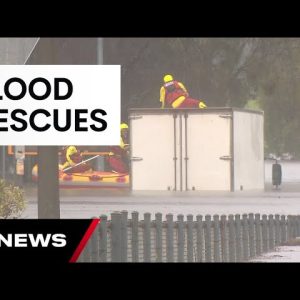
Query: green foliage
point(254, 104)
point(12, 200)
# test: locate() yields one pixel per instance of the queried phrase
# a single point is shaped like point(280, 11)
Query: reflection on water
point(290, 174)
point(290, 171)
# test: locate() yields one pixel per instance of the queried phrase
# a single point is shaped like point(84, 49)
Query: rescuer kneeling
point(118, 159)
point(173, 94)
point(72, 161)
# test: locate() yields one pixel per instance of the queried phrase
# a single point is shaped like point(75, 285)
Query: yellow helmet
point(71, 150)
point(168, 78)
point(124, 126)
point(202, 104)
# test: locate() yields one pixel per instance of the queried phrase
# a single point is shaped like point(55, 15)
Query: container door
point(153, 152)
point(207, 151)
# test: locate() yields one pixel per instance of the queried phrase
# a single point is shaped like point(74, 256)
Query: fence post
point(95, 244)
point(258, 234)
point(147, 237)
point(289, 227)
point(298, 226)
point(135, 236)
point(103, 239)
point(180, 244)
point(116, 237)
point(85, 254)
point(217, 254)
point(238, 238)
point(199, 238)
point(277, 230)
point(223, 227)
point(170, 238)
point(295, 232)
point(283, 229)
point(294, 226)
point(190, 238)
point(265, 233)
point(80, 260)
point(207, 230)
point(231, 239)
point(271, 232)
point(251, 235)
point(245, 233)
point(158, 244)
point(124, 223)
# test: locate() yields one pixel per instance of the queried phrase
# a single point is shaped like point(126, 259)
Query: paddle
point(82, 162)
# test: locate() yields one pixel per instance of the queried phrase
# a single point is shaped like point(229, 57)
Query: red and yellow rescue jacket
point(70, 158)
point(172, 94)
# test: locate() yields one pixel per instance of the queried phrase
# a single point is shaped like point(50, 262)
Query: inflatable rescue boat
point(89, 179)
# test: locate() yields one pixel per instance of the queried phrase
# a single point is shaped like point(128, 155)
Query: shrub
point(12, 200)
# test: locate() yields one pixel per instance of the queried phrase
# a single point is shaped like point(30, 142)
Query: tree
point(12, 200)
point(221, 71)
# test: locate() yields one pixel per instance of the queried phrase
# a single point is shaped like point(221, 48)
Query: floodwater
point(89, 203)
point(290, 171)
point(280, 254)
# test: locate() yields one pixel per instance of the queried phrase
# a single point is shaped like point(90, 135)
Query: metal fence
point(215, 238)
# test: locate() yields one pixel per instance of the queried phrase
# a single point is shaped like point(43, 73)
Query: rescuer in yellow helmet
point(71, 157)
point(124, 136)
point(173, 94)
point(118, 159)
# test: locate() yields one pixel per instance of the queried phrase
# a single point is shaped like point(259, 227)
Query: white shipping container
point(217, 149)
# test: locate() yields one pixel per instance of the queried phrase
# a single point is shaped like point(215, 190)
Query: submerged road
point(80, 203)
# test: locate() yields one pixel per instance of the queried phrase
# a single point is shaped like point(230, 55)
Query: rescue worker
point(118, 159)
point(173, 94)
point(71, 157)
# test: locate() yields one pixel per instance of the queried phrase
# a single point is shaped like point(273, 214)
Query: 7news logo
point(44, 240)
point(17, 240)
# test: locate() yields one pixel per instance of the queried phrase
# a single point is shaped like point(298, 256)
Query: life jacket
point(76, 157)
point(119, 150)
point(173, 91)
point(124, 141)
